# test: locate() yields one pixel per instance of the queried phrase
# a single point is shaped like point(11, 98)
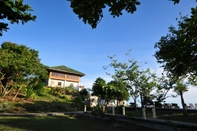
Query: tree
point(177, 50)
point(83, 93)
point(19, 65)
point(147, 83)
point(140, 83)
point(127, 72)
point(180, 88)
point(111, 90)
point(97, 88)
point(164, 84)
point(91, 11)
point(117, 90)
point(14, 11)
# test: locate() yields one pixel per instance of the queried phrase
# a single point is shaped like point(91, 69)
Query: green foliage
point(98, 111)
point(112, 90)
point(57, 90)
point(91, 11)
point(140, 83)
point(38, 87)
point(84, 93)
point(97, 88)
point(19, 65)
point(177, 50)
point(64, 97)
point(14, 11)
point(63, 92)
point(117, 90)
point(5, 105)
point(30, 93)
point(119, 109)
point(78, 102)
point(164, 85)
point(69, 90)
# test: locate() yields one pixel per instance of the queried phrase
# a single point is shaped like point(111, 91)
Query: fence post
point(84, 108)
point(144, 113)
point(154, 113)
point(123, 110)
point(113, 110)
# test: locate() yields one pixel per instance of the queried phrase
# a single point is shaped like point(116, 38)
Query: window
point(55, 74)
point(59, 84)
point(72, 77)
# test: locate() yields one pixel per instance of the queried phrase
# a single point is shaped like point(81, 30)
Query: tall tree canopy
point(177, 51)
point(91, 11)
point(97, 88)
point(14, 11)
point(18, 64)
point(140, 83)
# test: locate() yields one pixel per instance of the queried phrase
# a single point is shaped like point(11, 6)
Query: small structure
point(93, 101)
point(63, 76)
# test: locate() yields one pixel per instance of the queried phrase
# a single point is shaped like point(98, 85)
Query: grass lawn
point(64, 123)
point(191, 118)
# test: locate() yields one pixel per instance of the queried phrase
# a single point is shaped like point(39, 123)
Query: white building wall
point(75, 84)
point(54, 83)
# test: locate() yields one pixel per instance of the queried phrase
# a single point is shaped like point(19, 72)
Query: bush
point(97, 111)
point(30, 93)
point(57, 90)
point(119, 109)
point(38, 88)
point(64, 97)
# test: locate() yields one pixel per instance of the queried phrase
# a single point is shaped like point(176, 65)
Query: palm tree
point(180, 88)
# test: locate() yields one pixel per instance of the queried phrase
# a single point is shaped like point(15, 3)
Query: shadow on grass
point(64, 123)
point(44, 106)
point(39, 106)
point(49, 123)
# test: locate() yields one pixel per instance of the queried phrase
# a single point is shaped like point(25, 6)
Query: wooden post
point(123, 110)
point(144, 113)
point(84, 108)
point(113, 110)
point(154, 113)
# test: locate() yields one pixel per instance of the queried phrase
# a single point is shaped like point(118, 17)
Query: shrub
point(64, 97)
point(30, 93)
point(57, 90)
point(119, 109)
point(97, 111)
point(38, 88)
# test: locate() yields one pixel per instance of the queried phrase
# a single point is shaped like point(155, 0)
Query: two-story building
point(63, 76)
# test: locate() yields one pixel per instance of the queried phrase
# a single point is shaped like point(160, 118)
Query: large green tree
point(117, 90)
point(91, 11)
point(113, 90)
point(14, 11)
point(164, 84)
point(177, 50)
point(19, 65)
point(97, 88)
point(140, 83)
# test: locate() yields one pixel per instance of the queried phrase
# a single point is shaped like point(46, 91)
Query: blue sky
point(62, 39)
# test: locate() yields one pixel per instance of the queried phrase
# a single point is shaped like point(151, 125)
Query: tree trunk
point(17, 93)
point(183, 104)
point(135, 103)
